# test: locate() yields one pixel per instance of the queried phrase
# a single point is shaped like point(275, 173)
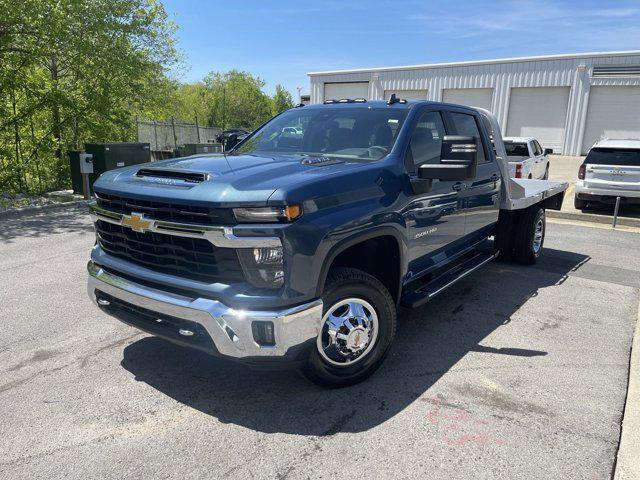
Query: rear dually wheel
point(530, 230)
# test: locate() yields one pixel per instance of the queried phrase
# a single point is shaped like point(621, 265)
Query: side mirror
point(458, 160)
point(548, 151)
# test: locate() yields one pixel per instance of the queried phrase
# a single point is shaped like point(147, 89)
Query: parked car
point(300, 250)
point(231, 137)
point(230, 131)
point(611, 169)
point(292, 132)
point(526, 157)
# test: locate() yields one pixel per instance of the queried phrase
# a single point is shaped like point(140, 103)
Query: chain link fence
point(165, 136)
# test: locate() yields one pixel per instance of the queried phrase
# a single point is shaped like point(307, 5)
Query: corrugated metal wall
point(501, 77)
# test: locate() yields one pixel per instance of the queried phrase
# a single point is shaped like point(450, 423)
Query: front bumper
point(204, 323)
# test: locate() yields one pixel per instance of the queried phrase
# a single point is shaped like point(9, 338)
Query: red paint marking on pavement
point(454, 427)
point(458, 415)
point(478, 437)
point(458, 421)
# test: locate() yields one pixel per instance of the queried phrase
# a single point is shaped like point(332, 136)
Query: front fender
point(362, 236)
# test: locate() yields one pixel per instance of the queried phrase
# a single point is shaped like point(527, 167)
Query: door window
point(426, 141)
point(466, 125)
point(537, 148)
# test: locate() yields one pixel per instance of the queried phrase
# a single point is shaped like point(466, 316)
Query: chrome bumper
point(229, 329)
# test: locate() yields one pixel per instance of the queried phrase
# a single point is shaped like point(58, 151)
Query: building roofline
point(566, 56)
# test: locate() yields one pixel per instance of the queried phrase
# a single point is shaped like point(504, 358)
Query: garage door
point(613, 112)
point(540, 113)
point(337, 91)
point(474, 97)
point(407, 94)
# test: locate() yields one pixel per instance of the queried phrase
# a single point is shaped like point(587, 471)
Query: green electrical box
point(107, 156)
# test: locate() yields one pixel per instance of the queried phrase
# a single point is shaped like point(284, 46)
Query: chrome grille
point(167, 211)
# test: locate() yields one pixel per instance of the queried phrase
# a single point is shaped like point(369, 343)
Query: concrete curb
point(25, 211)
point(591, 218)
point(628, 460)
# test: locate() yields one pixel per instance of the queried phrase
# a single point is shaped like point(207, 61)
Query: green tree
point(236, 99)
point(282, 100)
point(190, 104)
point(77, 70)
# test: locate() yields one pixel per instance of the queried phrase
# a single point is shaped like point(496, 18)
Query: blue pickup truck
point(298, 245)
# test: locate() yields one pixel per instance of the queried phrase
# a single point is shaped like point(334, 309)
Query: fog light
point(268, 256)
point(263, 333)
point(263, 267)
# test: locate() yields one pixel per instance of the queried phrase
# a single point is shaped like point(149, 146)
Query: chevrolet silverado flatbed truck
point(298, 245)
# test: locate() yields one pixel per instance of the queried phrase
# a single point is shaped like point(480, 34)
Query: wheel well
point(379, 257)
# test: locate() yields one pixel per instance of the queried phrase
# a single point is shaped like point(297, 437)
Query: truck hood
point(230, 180)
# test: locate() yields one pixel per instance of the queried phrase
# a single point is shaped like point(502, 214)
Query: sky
point(280, 41)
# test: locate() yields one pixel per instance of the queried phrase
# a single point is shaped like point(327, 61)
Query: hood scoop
point(169, 175)
point(321, 161)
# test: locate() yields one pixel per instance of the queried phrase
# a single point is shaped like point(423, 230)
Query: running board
point(427, 291)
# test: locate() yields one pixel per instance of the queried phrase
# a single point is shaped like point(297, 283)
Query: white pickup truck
point(526, 158)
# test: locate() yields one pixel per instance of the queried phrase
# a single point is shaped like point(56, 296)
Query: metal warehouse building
point(566, 101)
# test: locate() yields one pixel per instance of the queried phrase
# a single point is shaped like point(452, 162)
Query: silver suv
point(611, 169)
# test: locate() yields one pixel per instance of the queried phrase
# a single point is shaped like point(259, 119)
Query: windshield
point(355, 133)
point(516, 149)
point(613, 156)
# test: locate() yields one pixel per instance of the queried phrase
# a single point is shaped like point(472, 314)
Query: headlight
point(268, 214)
point(263, 267)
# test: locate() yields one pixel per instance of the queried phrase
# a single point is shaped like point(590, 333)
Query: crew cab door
point(434, 219)
point(480, 196)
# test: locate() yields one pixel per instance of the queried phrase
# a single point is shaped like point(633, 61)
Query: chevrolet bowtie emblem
point(137, 222)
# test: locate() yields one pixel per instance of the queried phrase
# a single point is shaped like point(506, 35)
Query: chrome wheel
point(538, 235)
point(349, 332)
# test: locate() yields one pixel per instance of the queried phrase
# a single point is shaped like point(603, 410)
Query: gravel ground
point(10, 202)
point(516, 372)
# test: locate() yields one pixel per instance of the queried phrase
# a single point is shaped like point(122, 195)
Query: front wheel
point(357, 327)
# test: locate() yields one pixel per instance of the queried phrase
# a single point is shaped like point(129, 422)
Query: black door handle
point(458, 186)
point(494, 177)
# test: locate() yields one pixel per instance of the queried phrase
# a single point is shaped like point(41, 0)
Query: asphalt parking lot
point(517, 372)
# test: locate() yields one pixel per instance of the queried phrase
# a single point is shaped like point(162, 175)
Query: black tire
point(503, 238)
point(579, 204)
point(524, 249)
point(343, 283)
